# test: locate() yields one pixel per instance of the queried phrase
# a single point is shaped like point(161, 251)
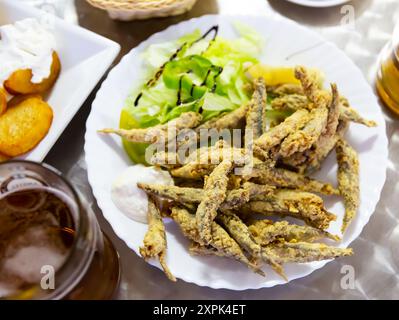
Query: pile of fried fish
point(222, 193)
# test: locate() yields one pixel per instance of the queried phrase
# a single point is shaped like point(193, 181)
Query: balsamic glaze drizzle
point(158, 74)
point(179, 92)
point(220, 70)
point(136, 102)
point(206, 77)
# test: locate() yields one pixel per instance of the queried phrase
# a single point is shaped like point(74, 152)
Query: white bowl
point(319, 3)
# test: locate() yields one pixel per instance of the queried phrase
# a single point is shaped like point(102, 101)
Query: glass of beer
point(51, 246)
point(388, 74)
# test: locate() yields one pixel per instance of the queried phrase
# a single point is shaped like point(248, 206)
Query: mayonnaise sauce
point(131, 200)
point(27, 44)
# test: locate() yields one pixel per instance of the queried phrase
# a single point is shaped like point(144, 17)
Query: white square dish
point(85, 57)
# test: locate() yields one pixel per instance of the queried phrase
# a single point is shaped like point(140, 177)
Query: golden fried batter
point(197, 249)
point(214, 195)
point(301, 205)
point(231, 120)
point(185, 195)
point(207, 160)
point(265, 232)
point(347, 113)
point(311, 87)
point(303, 139)
point(321, 151)
point(169, 160)
point(285, 89)
point(291, 101)
point(302, 252)
point(312, 158)
point(155, 239)
point(348, 180)
point(282, 178)
point(240, 233)
point(274, 136)
point(298, 102)
point(221, 240)
point(255, 117)
point(164, 132)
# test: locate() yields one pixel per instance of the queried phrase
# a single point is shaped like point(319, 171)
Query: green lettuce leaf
point(217, 93)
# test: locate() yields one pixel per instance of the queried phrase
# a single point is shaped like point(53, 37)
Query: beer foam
point(27, 255)
point(32, 241)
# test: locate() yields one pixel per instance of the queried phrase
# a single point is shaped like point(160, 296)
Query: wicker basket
point(127, 10)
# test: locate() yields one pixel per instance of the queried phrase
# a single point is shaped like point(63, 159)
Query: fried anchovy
point(255, 190)
point(348, 180)
point(181, 195)
point(274, 136)
point(207, 162)
point(255, 117)
point(234, 182)
point(311, 160)
point(234, 198)
point(311, 87)
point(229, 120)
point(347, 113)
point(303, 139)
point(333, 113)
point(206, 155)
point(291, 101)
point(321, 119)
point(172, 160)
point(169, 160)
point(240, 233)
point(265, 232)
point(211, 154)
point(297, 101)
point(164, 132)
point(282, 178)
point(285, 89)
point(155, 238)
point(301, 252)
point(301, 205)
point(297, 161)
point(221, 240)
point(324, 144)
point(323, 148)
point(200, 250)
point(215, 189)
point(263, 155)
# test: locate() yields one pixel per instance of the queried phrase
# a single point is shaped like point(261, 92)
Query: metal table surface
point(376, 262)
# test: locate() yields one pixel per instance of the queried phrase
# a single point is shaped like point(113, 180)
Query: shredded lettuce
point(213, 94)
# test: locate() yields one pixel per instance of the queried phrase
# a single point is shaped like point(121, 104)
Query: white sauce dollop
point(131, 200)
point(27, 44)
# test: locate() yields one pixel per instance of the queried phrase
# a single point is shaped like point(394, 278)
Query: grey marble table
point(376, 263)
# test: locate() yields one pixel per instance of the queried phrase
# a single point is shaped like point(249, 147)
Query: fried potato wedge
point(3, 101)
point(16, 100)
point(20, 81)
point(3, 158)
point(24, 125)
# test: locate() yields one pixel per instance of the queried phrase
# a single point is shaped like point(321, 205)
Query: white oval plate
point(287, 43)
point(319, 3)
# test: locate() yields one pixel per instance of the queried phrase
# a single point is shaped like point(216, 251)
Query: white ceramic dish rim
point(158, 36)
point(319, 4)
